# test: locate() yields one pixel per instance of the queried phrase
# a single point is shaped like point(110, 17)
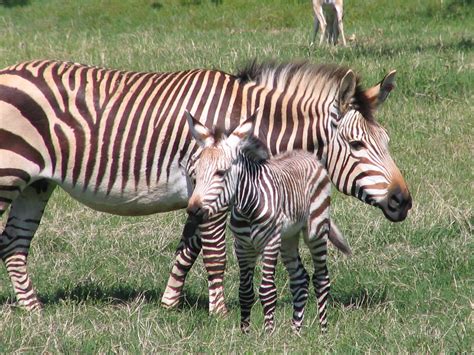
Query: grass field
point(408, 287)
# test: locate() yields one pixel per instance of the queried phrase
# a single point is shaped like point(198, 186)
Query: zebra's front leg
point(214, 258)
point(25, 215)
point(188, 250)
point(268, 291)
point(299, 278)
point(247, 258)
point(321, 282)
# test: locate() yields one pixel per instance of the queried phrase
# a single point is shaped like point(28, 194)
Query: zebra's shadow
point(359, 298)
point(90, 292)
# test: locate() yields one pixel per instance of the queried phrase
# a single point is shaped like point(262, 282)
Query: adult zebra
point(114, 140)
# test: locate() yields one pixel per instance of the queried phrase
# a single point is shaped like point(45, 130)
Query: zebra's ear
point(200, 133)
point(347, 89)
point(243, 131)
point(378, 93)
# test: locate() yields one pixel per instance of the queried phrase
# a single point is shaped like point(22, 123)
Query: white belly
point(164, 196)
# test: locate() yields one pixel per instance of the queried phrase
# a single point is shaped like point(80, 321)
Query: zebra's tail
point(338, 240)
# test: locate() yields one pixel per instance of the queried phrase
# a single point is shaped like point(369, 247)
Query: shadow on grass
point(90, 292)
point(359, 298)
point(392, 50)
point(14, 3)
point(120, 294)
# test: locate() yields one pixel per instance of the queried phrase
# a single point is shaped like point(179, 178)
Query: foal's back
point(301, 181)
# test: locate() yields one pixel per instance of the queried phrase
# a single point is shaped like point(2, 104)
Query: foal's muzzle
point(197, 213)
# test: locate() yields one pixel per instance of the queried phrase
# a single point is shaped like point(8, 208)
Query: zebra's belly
point(142, 200)
point(291, 228)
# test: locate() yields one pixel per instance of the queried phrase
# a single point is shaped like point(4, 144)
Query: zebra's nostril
point(395, 200)
point(193, 210)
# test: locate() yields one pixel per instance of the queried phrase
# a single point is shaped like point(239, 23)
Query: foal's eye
point(357, 145)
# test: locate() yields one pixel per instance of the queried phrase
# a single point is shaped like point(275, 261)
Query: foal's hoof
point(170, 303)
point(296, 329)
point(34, 307)
point(245, 328)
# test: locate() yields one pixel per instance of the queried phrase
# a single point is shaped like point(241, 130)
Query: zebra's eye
point(357, 145)
point(220, 173)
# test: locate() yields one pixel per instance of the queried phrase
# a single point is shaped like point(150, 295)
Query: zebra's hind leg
point(25, 215)
point(299, 278)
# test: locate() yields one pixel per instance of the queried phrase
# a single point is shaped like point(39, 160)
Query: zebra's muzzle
point(197, 213)
point(397, 205)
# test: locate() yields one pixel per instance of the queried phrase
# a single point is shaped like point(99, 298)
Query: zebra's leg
point(268, 291)
point(318, 248)
point(214, 258)
point(315, 30)
point(340, 25)
point(186, 254)
point(25, 215)
point(323, 24)
point(299, 278)
point(247, 258)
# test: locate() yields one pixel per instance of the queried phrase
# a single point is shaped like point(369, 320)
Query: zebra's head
point(358, 160)
point(212, 167)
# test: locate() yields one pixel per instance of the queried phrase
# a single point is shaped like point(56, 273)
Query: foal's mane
point(305, 77)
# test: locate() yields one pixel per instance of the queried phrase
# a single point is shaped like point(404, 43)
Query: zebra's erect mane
point(255, 150)
point(304, 76)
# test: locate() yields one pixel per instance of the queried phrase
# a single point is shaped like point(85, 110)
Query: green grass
point(407, 288)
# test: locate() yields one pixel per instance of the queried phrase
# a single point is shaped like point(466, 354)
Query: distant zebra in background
point(115, 141)
point(272, 201)
point(328, 14)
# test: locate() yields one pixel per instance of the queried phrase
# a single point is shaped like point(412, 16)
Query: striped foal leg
point(321, 282)
point(268, 291)
point(299, 278)
point(214, 258)
point(247, 258)
point(25, 215)
point(186, 254)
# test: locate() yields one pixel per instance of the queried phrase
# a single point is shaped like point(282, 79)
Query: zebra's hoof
point(220, 312)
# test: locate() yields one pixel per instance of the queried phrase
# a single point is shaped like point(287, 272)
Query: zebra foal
point(272, 201)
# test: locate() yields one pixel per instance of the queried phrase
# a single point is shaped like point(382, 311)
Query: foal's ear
point(200, 133)
point(378, 93)
point(347, 89)
point(243, 131)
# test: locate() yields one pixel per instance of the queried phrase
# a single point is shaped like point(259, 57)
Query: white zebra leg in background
point(340, 25)
point(24, 218)
point(299, 278)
